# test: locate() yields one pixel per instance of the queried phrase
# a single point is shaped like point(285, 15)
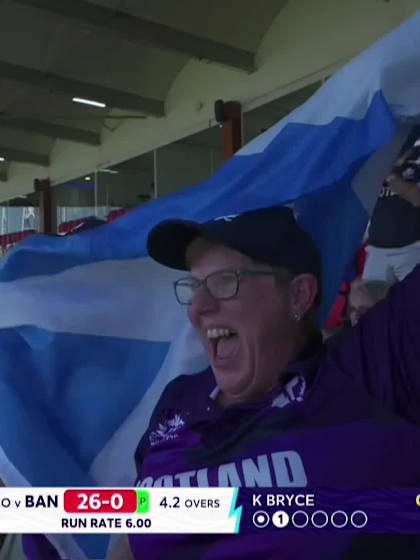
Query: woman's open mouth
point(224, 342)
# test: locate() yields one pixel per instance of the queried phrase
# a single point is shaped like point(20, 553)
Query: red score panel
point(100, 501)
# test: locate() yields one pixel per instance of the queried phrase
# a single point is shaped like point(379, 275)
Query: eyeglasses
point(223, 284)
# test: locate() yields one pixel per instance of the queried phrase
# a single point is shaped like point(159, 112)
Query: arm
point(383, 351)
point(407, 190)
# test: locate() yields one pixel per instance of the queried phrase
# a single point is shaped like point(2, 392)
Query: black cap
point(271, 236)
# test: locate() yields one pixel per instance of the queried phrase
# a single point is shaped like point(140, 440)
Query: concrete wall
point(306, 42)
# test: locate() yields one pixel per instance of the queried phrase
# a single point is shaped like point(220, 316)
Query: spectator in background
point(394, 232)
point(363, 295)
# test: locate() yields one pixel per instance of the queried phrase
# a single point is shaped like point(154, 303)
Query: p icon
point(142, 501)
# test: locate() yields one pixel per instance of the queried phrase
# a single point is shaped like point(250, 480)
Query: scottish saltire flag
point(90, 329)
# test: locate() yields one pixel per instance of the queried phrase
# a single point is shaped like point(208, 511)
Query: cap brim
point(168, 241)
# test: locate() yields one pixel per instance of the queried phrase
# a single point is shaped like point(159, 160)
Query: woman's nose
point(202, 301)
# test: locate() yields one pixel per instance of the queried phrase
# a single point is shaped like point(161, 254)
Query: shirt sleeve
point(383, 351)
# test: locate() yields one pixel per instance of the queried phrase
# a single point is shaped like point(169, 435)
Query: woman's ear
point(303, 292)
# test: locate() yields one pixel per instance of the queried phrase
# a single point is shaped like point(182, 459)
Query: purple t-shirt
point(348, 417)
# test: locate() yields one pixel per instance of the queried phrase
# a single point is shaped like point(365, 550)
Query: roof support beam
point(47, 210)
point(74, 88)
point(149, 33)
point(45, 128)
point(24, 156)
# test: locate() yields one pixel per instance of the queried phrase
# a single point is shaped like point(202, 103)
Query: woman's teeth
point(218, 333)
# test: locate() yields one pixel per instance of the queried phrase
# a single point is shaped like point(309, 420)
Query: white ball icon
point(280, 519)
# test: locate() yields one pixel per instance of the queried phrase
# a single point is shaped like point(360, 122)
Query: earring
point(296, 317)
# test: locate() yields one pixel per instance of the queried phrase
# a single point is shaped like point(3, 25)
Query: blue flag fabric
point(91, 332)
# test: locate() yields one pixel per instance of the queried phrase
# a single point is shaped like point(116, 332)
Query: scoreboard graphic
point(122, 510)
point(209, 510)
